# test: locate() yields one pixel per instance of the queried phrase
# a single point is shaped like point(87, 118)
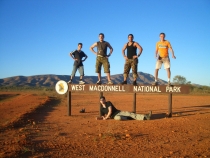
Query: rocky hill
point(51, 80)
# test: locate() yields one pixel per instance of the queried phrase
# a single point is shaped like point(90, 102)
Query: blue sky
point(36, 36)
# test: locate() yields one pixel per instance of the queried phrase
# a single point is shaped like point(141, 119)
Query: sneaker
point(98, 82)
point(155, 83)
point(148, 116)
point(110, 82)
point(81, 82)
point(69, 81)
point(124, 82)
point(134, 83)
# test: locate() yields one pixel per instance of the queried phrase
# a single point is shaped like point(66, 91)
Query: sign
point(129, 88)
point(61, 87)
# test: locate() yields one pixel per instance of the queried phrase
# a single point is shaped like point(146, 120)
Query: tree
point(180, 80)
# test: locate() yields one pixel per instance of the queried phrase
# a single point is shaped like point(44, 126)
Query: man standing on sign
point(102, 57)
point(162, 56)
point(77, 56)
point(131, 60)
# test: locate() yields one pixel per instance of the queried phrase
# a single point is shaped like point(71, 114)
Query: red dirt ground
point(34, 125)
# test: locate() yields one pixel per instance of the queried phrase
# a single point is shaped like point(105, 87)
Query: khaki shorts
point(164, 61)
point(102, 61)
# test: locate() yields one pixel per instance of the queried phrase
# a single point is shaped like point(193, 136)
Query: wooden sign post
point(175, 89)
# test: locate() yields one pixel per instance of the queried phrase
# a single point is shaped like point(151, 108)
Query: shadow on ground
point(184, 111)
point(158, 116)
point(36, 115)
point(7, 96)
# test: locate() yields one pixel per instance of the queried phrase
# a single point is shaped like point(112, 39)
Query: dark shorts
point(102, 61)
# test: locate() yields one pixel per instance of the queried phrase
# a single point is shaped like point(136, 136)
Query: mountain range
point(50, 80)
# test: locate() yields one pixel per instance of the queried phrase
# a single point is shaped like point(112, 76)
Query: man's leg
point(106, 66)
point(99, 76)
point(156, 78)
point(121, 118)
point(127, 68)
point(156, 74)
point(98, 69)
point(134, 66)
point(108, 76)
point(73, 73)
point(166, 63)
point(157, 67)
point(169, 76)
point(81, 71)
point(129, 114)
point(168, 73)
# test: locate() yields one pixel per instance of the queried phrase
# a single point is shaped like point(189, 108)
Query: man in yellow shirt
point(162, 56)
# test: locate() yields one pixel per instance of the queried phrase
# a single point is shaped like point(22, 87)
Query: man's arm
point(156, 51)
point(85, 57)
point(139, 48)
point(172, 51)
point(109, 113)
point(111, 49)
point(72, 55)
point(123, 51)
point(91, 48)
point(101, 117)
